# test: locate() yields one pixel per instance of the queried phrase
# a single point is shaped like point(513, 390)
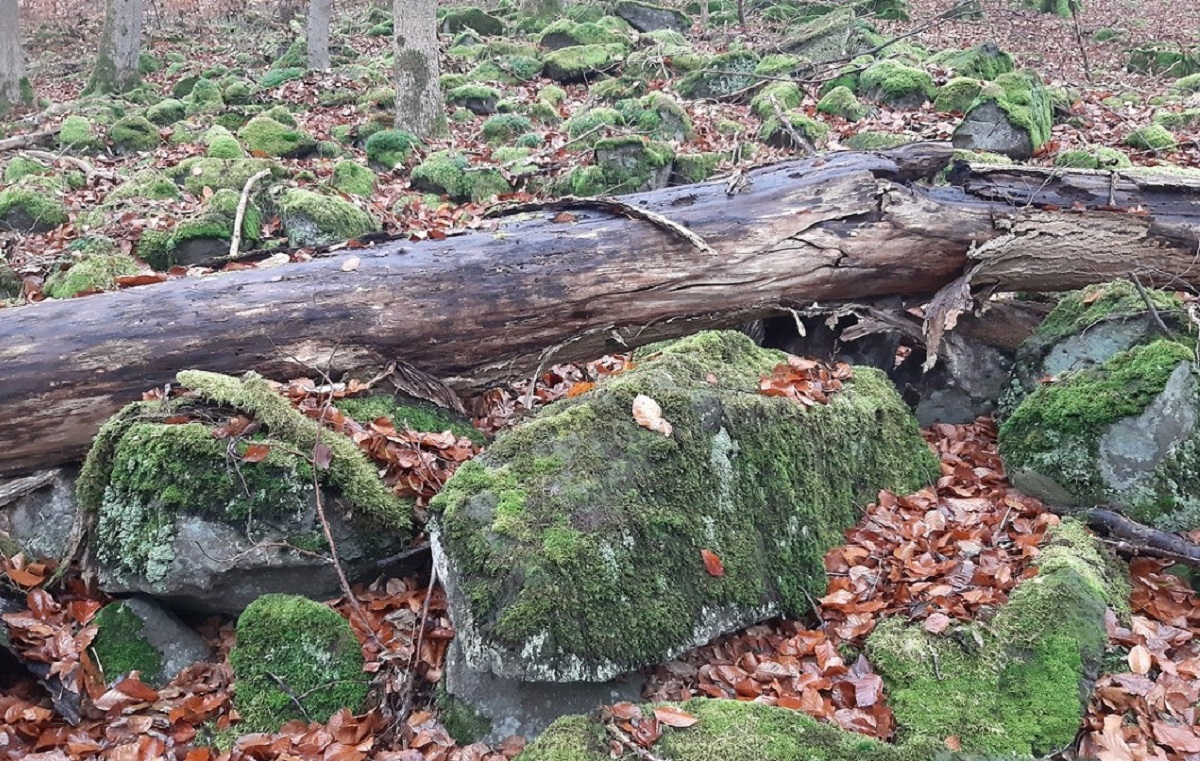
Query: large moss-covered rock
point(206, 236)
point(184, 515)
point(32, 204)
point(265, 136)
point(1164, 58)
point(1012, 116)
point(723, 75)
point(573, 548)
point(582, 62)
point(295, 659)
point(649, 17)
point(623, 165)
point(450, 173)
point(1122, 433)
point(200, 172)
point(984, 61)
point(730, 730)
point(96, 264)
point(132, 134)
point(828, 37)
point(312, 219)
point(470, 17)
point(896, 84)
point(792, 131)
point(1018, 684)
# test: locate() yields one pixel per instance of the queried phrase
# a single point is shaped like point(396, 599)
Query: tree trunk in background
point(419, 107)
point(120, 43)
point(319, 13)
point(288, 10)
point(14, 85)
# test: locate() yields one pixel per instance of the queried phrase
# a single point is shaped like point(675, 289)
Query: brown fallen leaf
point(712, 563)
point(649, 415)
point(351, 264)
point(674, 717)
point(1139, 659)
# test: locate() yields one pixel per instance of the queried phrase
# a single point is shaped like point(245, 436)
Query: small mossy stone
point(1152, 137)
point(896, 84)
point(203, 172)
point(166, 112)
point(148, 183)
point(796, 131)
point(470, 17)
point(504, 128)
point(391, 147)
point(776, 97)
point(311, 219)
point(722, 76)
point(690, 168)
point(78, 135)
point(205, 97)
point(586, 128)
point(450, 173)
point(92, 273)
point(132, 134)
point(120, 647)
point(984, 61)
point(32, 204)
point(225, 148)
point(292, 650)
point(277, 77)
point(479, 99)
point(265, 136)
point(582, 63)
point(353, 178)
point(840, 101)
point(19, 167)
point(957, 95)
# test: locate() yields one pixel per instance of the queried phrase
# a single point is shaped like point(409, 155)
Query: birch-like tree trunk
point(319, 13)
point(14, 85)
point(120, 43)
point(419, 106)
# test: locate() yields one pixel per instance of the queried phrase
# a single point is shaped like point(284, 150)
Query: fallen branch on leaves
point(543, 286)
point(1138, 539)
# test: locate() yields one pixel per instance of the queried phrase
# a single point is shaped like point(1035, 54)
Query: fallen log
point(541, 287)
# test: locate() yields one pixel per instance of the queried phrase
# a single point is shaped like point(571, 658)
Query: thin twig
point(291, 696)
point(1158, 320)
point(236, 241)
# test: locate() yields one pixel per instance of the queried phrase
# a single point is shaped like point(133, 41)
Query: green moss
point(148, 183)
point(1057, 428)
point(584, 62)
point(478, 98)
point(778, 65)
point(120, 647)
point(504, 128)
point(552, 94)
point(1188, 84)
point(312, 219)
point(590, 126)
point(204, 98)
point(723, 75)
point(658, 116)
point(276, 77)
point(78, 135)
point(730, 730)
point(840, 101)
point(391, 147)
point(1164, 58)
point(776, 132)
point(292, 650)
point(980, 62)
point(225, 148)
point(134, 133)
point(1023, 98)
point(1152, 137)
point(1188, 119)
point(19, 167)
point(199, 173)
point(896, 84)
point(1102, 157)
point(1079, 310)
point(694, 167)
point(94, 272)
point(166, 112)
point(353, 178)
point(32, 204)
point(623, 165)
point(957, 95)
point(565, 33)
point(1014, 685)
point(417, 415)
point(265, 136)
point(765, 484)
point(450, 173)
point(469, 17)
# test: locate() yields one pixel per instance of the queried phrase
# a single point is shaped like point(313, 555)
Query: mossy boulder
point(166, 112)
point(78, 135)
point(1123, 433)
point(896, 84)
point(32, 204)
point(658, 116)
point(469, 17)
point(565, 33)
point(1016, 686)
point(205, 238)
point(582, 62)
point(721, 76)
point(19, 166)
point(1012, 116)
point(875, 141)
point(133, 134)
point(1101, 157)
point(730, 730)
point(624, 165)
point(1152, 137)
point(650, 17)
point(204, 98)
point(957, 95)
point(776, 97)
point(828, 37)
point(984, 61)
point(572, 548)
point(202, 172)
point(792, 131)
point(391, 147)
point(1164, 58)
point(152, 184)
point(1188, 119)
point(225, 147)
point(690, 168)
point(353, 178)
point(96, 264)
point(312, 219)
point(1187, 85)
point(505, 128)
point(450, 173)
point(276, 77)
point(211, 523)
point(265, 136)
point(841, 101)
point(593, 125)
point(140, 635)
point(295, 659)
point(478, 99)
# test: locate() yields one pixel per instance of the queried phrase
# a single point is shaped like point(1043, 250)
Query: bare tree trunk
point(120, 43)
point(288, 10)
point(14, 85)
point(419, 107)
point(319, 13)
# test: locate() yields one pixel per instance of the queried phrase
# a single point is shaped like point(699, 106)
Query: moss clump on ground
point(312, 219)
point(1102, 157)
point(1057, 429)
point(896, 84)
point(94, 271)
point(657, 116)
point(140, 473)
point(78, 135)
point(1019, 684)
point(352, 178)
point(19, 167)
point(840, 101)
point(783, 133)
point(957, 95)
point(119, 646)
point(202, 172)
point(391, 147)
point(1188, 119)
point(504, 128)
point(1079, 310)
point(148, 183)
point(876, 141)
point(479, 99)
point(582, 63)
point(265, 136)
point(576, 537)
point(592, 125)
point(450, 173)
point(276, 77)
point(33, 204)
point(984, 61)
point(134, 133)
point(623, 165)
point(292, 650)
point(729, 730)
point(723, 75)
point(1152, 137)
point(414, 414)
point(469, 17)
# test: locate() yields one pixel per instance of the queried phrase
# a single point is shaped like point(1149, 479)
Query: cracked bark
point(494, 304)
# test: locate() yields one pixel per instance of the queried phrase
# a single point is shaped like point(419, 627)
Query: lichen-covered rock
point(184, 515)
point(984, 61)
point(721, 76)
point(140, 635)
point(41, 519)
point(731, 730)
point(294, 659)
point(648, 17)
point(470, 17)
point(450, 173)
point(572, 548)
point(1018, 684)
point(582, 62)
point(32, 204)
point(1123, 433)
point(896, 84)
point(828, 37)
point(1012, 116)
point(312, 219)
point(265, 136)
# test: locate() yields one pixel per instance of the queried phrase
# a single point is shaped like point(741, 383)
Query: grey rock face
point(39, 511)
point(646, 17)
point(175, 643)
point(988, 128)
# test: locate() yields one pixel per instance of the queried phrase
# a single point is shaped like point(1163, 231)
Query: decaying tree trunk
point(547, 286)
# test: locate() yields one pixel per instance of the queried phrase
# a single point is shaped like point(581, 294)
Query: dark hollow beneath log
point(495, 304)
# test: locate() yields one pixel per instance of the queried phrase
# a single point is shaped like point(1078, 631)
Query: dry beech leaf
point(648, 415)
point(1139, 659)
point(351, 264)
point(937, 623)
point(712, 563)
point(674, 717)
point(256, 453)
